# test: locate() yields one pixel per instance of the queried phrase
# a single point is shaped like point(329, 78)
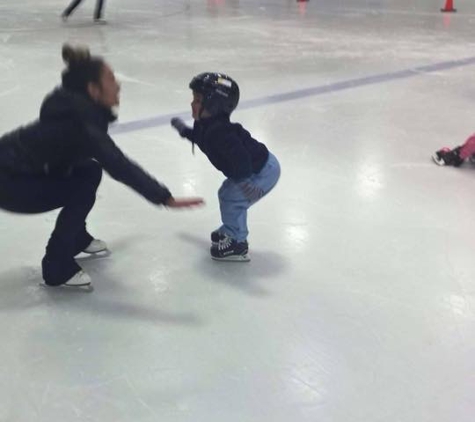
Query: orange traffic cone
point(449, 6)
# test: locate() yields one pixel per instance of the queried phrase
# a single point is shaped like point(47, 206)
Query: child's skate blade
point(233, 258)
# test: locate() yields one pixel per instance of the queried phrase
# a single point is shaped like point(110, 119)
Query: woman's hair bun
point(73, 55)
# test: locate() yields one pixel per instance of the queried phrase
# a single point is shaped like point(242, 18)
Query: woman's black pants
point(75, 194)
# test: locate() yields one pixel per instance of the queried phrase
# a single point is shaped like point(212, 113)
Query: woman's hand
point(184, 202)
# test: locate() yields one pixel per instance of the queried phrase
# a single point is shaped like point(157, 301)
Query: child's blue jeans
point(235, 198)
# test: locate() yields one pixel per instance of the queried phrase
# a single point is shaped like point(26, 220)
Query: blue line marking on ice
point(302, 93)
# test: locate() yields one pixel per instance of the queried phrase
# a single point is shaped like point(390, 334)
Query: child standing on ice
point(251, 170)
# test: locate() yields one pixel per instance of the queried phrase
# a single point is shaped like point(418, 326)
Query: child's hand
point(184, 202)
point(180, 126)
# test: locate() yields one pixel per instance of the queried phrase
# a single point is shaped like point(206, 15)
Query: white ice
point(359, 302)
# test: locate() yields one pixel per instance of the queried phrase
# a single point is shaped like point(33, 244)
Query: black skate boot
point(448, 157)
point(216, 237)
point(229, 249)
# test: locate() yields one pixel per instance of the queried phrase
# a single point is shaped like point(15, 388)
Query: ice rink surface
point(359, 302)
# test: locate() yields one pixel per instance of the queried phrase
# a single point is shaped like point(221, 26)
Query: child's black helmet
point(220, 92)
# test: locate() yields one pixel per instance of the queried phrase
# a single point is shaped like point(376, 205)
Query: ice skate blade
point(99, 254)
point(64, 287)
point(233, 258)
point(437, 160)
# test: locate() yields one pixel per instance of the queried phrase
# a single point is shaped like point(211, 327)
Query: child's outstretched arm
point(181, 127)
point(184, 131)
